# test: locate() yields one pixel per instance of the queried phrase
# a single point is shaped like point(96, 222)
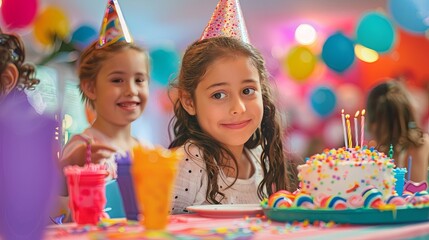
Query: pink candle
point(344, 128)
point(356, 129)
point(362, 128)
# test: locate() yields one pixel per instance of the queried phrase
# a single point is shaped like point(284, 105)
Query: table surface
point(193, 226)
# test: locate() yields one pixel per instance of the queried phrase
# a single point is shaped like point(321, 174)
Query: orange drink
point(154, 172)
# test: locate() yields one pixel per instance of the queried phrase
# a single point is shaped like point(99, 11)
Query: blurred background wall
point(323, 56)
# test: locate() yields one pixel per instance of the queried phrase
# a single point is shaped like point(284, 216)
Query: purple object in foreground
point(126, 186)
point(28, 169)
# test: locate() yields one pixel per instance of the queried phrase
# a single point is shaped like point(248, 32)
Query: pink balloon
point(18, 13)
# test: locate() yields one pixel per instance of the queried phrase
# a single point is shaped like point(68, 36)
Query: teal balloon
point(83, 36)
point(338, 52)
point(164, 65)
point(410, 15)
point(323, 101)
point(376, 31)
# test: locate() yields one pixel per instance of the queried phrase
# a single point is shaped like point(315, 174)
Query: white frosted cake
point(344, 173)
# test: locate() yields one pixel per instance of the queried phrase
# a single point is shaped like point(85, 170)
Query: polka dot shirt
point(191, 182)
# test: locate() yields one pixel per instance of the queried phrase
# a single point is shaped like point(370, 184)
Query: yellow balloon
point(300, 62)
point(51, 22)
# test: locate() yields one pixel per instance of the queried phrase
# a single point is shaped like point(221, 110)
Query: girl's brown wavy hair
point(13, 52)
point(278, 172)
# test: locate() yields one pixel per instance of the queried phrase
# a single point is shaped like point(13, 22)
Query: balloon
point(18, 13)
point(350, 97)
point(375, 31)
point(298, 142)
point(304, 117)
point(333, 134)
point(164, 101)
point(83, 36)
point(411, 15)
point(164, 65)
point(338, 52)
point(300, 62)
point(323, 101)
point(51, 23)
point(409, 60)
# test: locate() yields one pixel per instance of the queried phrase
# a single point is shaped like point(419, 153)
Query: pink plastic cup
point(87, 196)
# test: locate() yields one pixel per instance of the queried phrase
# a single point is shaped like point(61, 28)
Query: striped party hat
point(227, 21)
point(113, 29)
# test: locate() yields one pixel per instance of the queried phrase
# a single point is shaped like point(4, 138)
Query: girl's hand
point(98, 152)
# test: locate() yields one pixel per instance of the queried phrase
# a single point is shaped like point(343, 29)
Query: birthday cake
point(347, 179)
point(344, 173)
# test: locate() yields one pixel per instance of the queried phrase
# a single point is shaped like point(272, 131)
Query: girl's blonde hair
point(278, 173)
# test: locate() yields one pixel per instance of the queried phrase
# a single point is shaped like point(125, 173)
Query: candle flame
point(363, 112)
point(347, 116)
point(342, 111)
point(357, 114)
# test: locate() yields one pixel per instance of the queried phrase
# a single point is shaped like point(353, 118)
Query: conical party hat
point(227, 21)
point(113, 29)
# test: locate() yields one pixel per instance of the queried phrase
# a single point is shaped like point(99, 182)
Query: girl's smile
point(236, 125)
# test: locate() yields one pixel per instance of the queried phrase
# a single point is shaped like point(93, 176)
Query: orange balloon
point(51, 22)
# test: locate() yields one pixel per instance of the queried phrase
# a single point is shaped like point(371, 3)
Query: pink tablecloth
point(195, 227)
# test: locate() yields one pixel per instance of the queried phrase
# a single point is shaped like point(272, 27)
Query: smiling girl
point(228, 126)
point(114, 82)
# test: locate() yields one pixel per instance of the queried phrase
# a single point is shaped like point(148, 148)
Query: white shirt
point(191, 181)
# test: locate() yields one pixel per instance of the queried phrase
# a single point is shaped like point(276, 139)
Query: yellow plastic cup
point(154, 172)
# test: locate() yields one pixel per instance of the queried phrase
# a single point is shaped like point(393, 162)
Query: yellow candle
point(344, 128)
point(349, 131)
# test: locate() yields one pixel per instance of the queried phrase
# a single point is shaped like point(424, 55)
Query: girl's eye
point(140, 80)
point(117, 80)
point(218, 95)
point(248, 91)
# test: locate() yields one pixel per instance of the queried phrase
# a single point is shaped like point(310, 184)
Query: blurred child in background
point(391, 121)
point(28, 170)
point(15, 74)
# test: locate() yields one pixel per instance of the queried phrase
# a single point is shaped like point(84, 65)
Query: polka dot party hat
point(227, 21)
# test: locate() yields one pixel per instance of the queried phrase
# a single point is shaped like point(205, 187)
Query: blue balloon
point(411, 15)
point(375, 31)
point(84, 36)
point(323, 101)
point(164, 65)
point(338, 52)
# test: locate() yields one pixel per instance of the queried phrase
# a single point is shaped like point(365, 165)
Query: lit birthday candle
point(362, 128)
point(344, 128)
point(349, 131)
point(356, 129)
